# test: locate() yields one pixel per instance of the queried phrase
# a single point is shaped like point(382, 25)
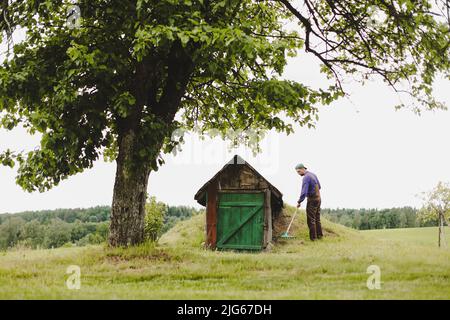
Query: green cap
point(300, 166)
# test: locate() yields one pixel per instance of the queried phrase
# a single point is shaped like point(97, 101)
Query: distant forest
point(366, 219)
point(69, 227)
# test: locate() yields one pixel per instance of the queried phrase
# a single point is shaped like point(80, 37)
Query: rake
point(286, 235)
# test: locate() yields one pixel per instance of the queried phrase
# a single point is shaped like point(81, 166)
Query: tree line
point(366, 219)
point(73, 227)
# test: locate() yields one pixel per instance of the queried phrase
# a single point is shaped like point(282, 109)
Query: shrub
point(154, 218)
point(92, 238)
point(57, 233)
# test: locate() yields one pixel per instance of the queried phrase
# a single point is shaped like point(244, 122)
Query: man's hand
point(298, 204)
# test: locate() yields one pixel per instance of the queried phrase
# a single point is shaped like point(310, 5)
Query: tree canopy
point(406, 43)
point(80, 86)
point(136, 63)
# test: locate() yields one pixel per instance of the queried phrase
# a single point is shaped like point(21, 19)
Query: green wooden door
point(240, 223)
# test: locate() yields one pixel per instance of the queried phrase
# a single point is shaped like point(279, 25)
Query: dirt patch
point(281, 224)
point(299, 226)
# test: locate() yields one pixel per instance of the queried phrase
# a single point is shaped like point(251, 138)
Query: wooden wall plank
point(267, 218)
point(211, 216)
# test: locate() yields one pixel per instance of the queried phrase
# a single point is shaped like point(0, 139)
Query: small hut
point(241, 206)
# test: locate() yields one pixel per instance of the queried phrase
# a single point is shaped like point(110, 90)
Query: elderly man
point(311, 190)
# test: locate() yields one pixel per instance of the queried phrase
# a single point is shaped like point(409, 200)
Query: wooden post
point(211, 216)
point(267, 218)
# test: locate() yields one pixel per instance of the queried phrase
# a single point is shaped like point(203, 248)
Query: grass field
point(333, 268)
point(414, 236)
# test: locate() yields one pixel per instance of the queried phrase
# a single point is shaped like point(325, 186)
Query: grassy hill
point(178, 267)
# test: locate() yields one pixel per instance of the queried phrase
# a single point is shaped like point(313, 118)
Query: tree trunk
point(130, 193)
point(442, 242)
point(440, 230)
point(130, 187)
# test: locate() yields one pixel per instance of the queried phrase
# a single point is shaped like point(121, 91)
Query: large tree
point(119, 81)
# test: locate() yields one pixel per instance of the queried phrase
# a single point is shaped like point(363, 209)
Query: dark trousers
point(313, 217)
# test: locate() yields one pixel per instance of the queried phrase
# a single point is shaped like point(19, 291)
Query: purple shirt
point(309, 185)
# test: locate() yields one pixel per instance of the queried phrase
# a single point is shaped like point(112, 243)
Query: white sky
point(364, 152)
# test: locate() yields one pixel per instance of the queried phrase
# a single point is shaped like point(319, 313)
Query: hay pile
point(299, 227)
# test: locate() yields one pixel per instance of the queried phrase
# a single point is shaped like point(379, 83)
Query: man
point(311, 190)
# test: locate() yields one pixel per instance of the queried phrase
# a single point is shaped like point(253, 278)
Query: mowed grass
point(415, 236)
point(179, 268)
